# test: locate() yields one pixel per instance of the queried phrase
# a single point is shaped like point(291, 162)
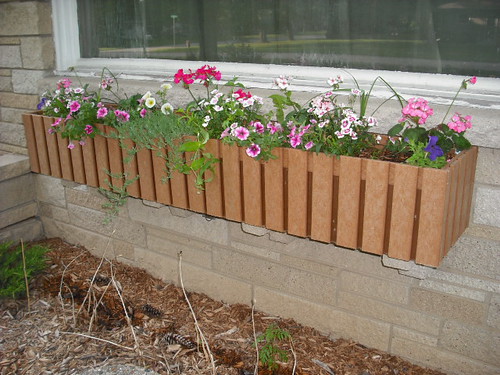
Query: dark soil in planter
point(73, 324)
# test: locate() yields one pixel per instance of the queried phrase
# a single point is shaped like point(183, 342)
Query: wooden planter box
point(379, 207)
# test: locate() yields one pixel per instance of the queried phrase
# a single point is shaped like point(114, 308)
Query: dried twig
point(98, 339)
point(294, 357)
point(324, 366)
point(256, 370)
point(204, 342)
point(26, 277)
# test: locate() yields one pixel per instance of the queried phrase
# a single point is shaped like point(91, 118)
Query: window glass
point(437, 36)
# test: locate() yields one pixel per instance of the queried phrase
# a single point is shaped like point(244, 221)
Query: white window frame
point(437, 88)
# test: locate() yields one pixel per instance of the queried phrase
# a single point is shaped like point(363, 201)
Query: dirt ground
point(76, 320)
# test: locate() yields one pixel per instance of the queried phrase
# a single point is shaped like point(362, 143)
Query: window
point(459, 37)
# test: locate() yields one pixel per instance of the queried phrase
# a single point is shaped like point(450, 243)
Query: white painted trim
point(66, 39)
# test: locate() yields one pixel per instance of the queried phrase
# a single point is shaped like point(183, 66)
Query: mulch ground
point(86, 312)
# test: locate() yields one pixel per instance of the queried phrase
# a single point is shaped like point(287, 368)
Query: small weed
point(270, 353)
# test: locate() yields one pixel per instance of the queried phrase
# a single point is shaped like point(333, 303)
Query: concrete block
point(50, 190)
point(385, 290)
point(281, 237)
point(196, 225)
point(252, 229)
point(447, 306)
point(465, 280)
point(10, 40)
point(194, 252)
point(257, 251)
point(488, 160)
point(12, 134)
point(25, 18)
point(17, 191)
point(5, 83)
point(13, 165)
point(484, 231)
point(475, 256)
point(404, 317)
point(53, 212)
point(406, 334)
point(5, 72)
point(23, 101)
point(118, 228)
point(84, 196)
point(12, 115)
point(38, 53)
point(487, 206)
point(443, 287)
point(471, 341)
point(22, 80)
point(309, 265)
point(158, 265)
point(10, 56)
point(367, 331)
point(238, 235)
point(430, 356)
point(17, 214)
point(493, 319)
point(277, 276)
point(27, 230)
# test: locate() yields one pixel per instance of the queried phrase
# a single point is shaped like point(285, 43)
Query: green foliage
point(116, 195)
point(420, 157)
point(12, 281)
point(270, 352)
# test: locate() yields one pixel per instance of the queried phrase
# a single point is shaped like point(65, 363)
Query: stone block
point(484, 231)
point(281, 237)
point(13, 165)
point(53, 212)
point(475, 256)
point(194, 252)
point(9, 40)
point(448, 306)
point(443, 287)
point(487, 206)
point(477, 282)
point(5, 72)
point(84, 196)
point(238, 235)
point(385, 290)
point(309, 265)
point(50, 190)
point(25, 18)
point(252, 229)
point(471, 341)
point(16, 191)
point(488, 160)
point(10, 56)
point(406, 334)
point(257, 251)
point(195, 225)
point(27, 230)
point(274, 275)
point(38, 53)
point(23, 101)
point(493, 319)
point(386, 312)
point(17, 214)
point(430, 356)
point(12, 134)
point(157, 265)
point(5, 84)
point(22, 80)
point(366, 331)
point(13, 115)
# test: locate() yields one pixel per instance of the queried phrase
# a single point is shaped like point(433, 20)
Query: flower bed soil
point(74, 324)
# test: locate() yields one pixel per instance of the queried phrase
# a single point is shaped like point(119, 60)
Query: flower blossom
point(89, 129)
point(282, 82)
point(433, 149)
point(71, 145)
point(74, 106)
point(253, 150)
point(150, 102)
point(64, 83)
point(241, 133)
point(102, 112)
point(167, 108)
point(335, 81)
point(143, 112)
point(473, 80)
point(460, 123)
point(122, 116)
point(417, 109)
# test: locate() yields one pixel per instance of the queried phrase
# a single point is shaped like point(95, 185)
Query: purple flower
point(433, 149)
point(89, 129)
point(241, 133)
point(253, 150)
point(41, 104)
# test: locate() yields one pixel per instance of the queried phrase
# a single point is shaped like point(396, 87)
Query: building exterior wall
point(446, 318)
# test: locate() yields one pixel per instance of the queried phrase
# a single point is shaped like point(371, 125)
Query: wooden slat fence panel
point(274, 198)
point(213, 189)
point(77, 163)
point(146, 172)
point(31, 142)
point(297, 192)
point(231, 180)
point(322, 198)
point(115, 158)
point(130, 168)
point(454, 195)
point(65, 157)
point(90, 163)
point(252, 192)
point(470, 168)
point(101, 157)
point(41, 145)
point(162, 182)
point(196, 195)
point(52, 148)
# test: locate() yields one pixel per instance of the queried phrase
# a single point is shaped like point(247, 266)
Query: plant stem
point(26, 277)
point(453, 101)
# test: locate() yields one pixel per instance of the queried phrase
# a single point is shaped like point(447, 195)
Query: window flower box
point(379, 207)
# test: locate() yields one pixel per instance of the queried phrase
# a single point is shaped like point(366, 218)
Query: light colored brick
point(5, 72)
point(12, 115)
point(10, 40)
point(10, 56)
point(17, 214)
point(430, 356)
point(407, 334)
point(5, 84)
point(16, 191)
point(368, 332)
point(484, 231)
point(493, 319)
point(448, 306)
point(281, 237)
point(439, 286)
point(237, 234)
point(25, 18)
point(258, 251)
point(386, 290)
point(23, 80)
point(84, 196)
point(158, 265)
point(252, 229)
point(465, 280)
point(13, 165)
point(309, 265)
point(50, 190)
point(386, 312)
point(37, 53)
point(488, 160)
point(53, 212)
point(471, 341)
point(12, 134)
point(28, 230)
point(24, 101)
point(487, 206)
point(265, 272)
point(195, 225)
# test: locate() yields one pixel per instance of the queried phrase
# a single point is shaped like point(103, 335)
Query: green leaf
point(197, 164)
point(396, 129)
point(190, 146)
point(461, 143)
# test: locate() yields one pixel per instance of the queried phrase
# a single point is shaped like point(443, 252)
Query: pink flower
point(57, 122)
point(71, 146)
point(282, 82)
point(225, 133)
point(473, 80)
point(102, 112)
point(122, 116)
point(89, 129)
point(417, 110)
point(241, 133)
point(51, 131)
point(82, 143)
point(74, 106)
point(253, 150)
point(460, 123)
point(274, 127)
point(64, 83)
point(143, 112)
point(295, 140)
point(309, 145)
point(259, 128)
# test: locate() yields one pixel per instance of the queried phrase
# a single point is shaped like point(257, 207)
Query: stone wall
point(446, 318)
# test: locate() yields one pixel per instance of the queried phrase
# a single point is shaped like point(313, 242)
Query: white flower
point(167, 108)
point(78, 90)
point(282, 82)
point(218, 108)
point(150, 102)
point(146, 96)
point(165, 86)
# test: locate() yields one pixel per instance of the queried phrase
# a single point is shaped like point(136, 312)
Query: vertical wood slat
point(65, 157)
point(471, 160)
point(461, 176)
point(432, 216)
point(162, 183)
point(31, 142)
point(90, 163)
point(274, 192)
point(146, 174)
point(101, 156)
point(375, 206)
point(232, 182)
point(115, 158)
point(130, 168)
point(195, 194)
point(41, 145)
point(297, 192)
point(349, 202)
point(178, 188)
point(454, 196)
point(322, 196)
point(252, 192)
point(404, 197)
point(52, 148)
point(77, 163)
point(213, 189)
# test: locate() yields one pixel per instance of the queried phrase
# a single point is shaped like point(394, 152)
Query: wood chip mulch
point(76, 321)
